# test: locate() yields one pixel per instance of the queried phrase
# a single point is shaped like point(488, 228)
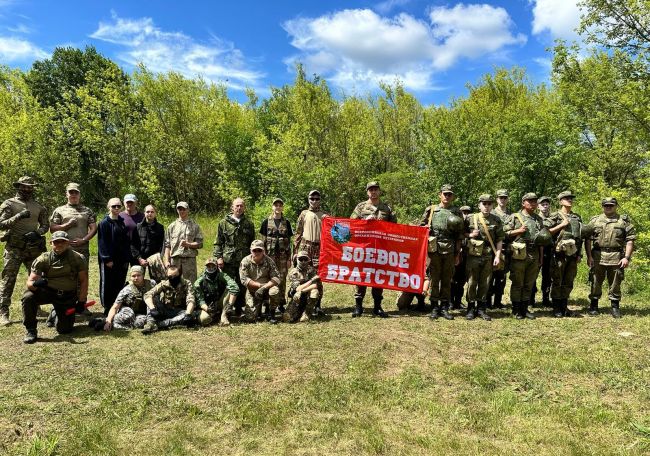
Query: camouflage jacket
point(262, 273)
point(297, 276)
point(570, 232)
point(233, 240)
point(133, 296)
point(16, 227)
point(365, 210)
point(494, 227)
point(209, 290)
point(438, 225)
point(181, 297)
point(534, 223)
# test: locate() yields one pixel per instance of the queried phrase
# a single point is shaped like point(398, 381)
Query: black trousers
point(111, 281)
point(61, 302)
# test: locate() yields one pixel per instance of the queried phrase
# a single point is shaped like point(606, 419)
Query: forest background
point(77, 116)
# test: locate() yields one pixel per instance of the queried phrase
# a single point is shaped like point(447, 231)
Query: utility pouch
point(567, 246)
point(502, 263)
point(433, 244)
point(36, 248)
point(16, 242)
point(518, 250)
point(445, 247)
point(475, 247)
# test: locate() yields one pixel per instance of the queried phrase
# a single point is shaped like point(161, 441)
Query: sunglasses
point(448, 194)
point(303, 260)
point(314, 199)
point(116, 206)
point(181, 209)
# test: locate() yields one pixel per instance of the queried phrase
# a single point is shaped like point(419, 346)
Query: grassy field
point(404, 385)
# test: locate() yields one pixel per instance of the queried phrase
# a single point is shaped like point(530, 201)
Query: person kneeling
point(129, 310)
point(60, 278)
point(170, 303)
point(304, 290)
point(210, 290)
point(259, 274)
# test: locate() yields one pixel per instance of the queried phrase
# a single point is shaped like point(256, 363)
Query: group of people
point(255, 279)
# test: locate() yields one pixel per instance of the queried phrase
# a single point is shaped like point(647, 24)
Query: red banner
point(373, 253)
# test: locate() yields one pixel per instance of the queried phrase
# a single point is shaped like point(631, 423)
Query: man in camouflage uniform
point(276, 235)
point(170, 303)
point(304, 289)
point(215, 293)
point(566, 249)
point(609, 252)
point(459, 279)
point(445, 224)
point(544, 205)
point(22, 224)
point(60, 278)
point(371, 209)
point(232, 243)
point(75, 219)
point(308, 230)
point(129, 310)
point(259, 274)
point(485, 233)
point(498, 281)
point(156, 267)
point(183, 240)
point(524, 228)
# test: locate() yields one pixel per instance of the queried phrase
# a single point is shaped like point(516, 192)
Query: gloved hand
point(188, 320)
point(80, 306)
point(40, 283)
point(154, 313)
point(24, 214)
point(32, 237)
point(259, 293)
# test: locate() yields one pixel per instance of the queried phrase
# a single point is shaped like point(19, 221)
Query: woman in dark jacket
point(114, 254)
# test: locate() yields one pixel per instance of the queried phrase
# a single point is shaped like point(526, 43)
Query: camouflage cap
point(565, 194)
point(485, 198)
point(609, 201)
point(257, 244)
point(314, 192)
point(446, 188)
point(465, 209)
point(25, 180)
point(136, 268)
point(211, 261)
point(72, 186)
point(130, 197)
point(503, 193)
point(278, 200)
point(372, 184)
point(302, 254)
point(541, 199)
point(182, 204)
point(529, 196)
point(60, 236)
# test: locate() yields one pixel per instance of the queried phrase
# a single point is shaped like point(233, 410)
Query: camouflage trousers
point(614, 276)
point(282, 262)
point(188, 267)
point(479, 271)
point(441, 272)
point(312, 249)
point(168, 317)
point(13, 259)
point(253, 308)
point(126, 318)
point(305, 302)
point(523, 274)
point(233, 271)
point(563, 273)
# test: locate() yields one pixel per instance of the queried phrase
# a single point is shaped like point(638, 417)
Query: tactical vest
point(573, 230)
point(609, 233)
point(277, 238)
point(14, 235)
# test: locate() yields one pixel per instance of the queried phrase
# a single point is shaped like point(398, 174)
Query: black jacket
point(113, 241)
point(148, 239)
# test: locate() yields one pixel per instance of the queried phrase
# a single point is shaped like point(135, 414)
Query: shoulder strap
point(430, 216)
point(475, 222)
point(521, 219)
point(487, 232)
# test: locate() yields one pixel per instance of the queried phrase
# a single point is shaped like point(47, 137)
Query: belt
point(311, 242)
point(608, 249)
point(61, 293)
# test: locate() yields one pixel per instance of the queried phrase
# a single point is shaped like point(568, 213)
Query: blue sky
point(435, 48)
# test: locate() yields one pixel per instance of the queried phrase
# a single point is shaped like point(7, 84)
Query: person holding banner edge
point(371, 209)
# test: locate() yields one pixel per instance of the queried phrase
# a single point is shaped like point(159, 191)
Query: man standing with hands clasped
point(75, 219)
point(183, 239)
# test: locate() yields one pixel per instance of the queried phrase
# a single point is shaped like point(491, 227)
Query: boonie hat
point(25, 180)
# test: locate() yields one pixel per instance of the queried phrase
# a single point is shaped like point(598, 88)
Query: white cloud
point(20, 28)
point(387, 6)
point(559, 17)
point(19, 50)
point(143, 42)
point(358, 48)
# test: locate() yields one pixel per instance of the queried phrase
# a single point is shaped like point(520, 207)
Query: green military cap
point(543, 198)
point(609, 201)
point(257, 244)
point(211, 261)
point(529, 196)
point(446, 188)
point(60, 236)
point(302, 254)
point(182, 204)
point(372, 184)
point(485, 198)
point(72, 186)
point(25, 180)
point(502, 192)
point(465, 209)
point(137, 268)
point(565, 194)
point(278, 200)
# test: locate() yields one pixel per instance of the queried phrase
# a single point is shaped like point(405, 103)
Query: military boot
point(149, 327)
point(4, 318)
point(568, 312)
point(421, 306)
point(444, 310)
point(489, 302)
point(516, 310)
point(435, 310)
point(470, 311)
point(593, 307)
point(270, 317)
point(616, 311)
point(497, 301)
point(523, 309)
point(358, 308)
point(377, 311)
point(546, 302)
point(309, 309)
point(482, 311)
point(30, 336)
point(557, 308)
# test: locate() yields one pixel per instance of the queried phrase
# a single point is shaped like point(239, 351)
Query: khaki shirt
point(309, 226)
point(61, 271)
point(178, 230)
point(365, 210)
point(84, 217)
point(262, 273)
